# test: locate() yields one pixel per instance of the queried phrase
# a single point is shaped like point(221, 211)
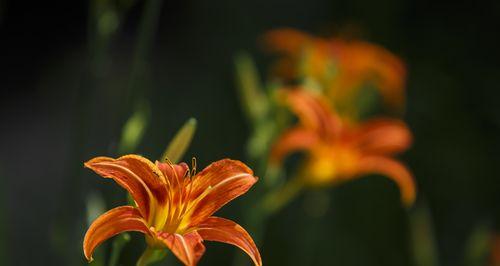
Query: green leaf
point(254, 100)
point(424, 242)
point(180, 143)
point(134, 129)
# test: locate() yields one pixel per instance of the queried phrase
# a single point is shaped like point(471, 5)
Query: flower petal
point(216, 185)
point(111, 223)
point(292, 140)
point(382, 136)
point(287, 41)
point(139, 176)
point(227, 231)
point(174, 173)
point(393, 170)
point(188, 248)
point(313, 111)
point(362, 61)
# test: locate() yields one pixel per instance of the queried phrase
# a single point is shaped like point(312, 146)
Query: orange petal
point(227, 231)
point(383, 136)
point(495, 250)
point(313, 111)
point(188, 248)
point(294, 139)
point(139, 176)
point(216, 185)
point(175, 173)
point(111, 223)
point(390, 72)
point(287, 41)
point(361, 62)
point(393, 170)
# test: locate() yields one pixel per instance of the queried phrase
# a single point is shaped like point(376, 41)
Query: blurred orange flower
point(174, 206)
point(495, 250)
point(340, 66)
point(337, 151)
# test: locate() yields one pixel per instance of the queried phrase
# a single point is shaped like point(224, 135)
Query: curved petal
point(362, 61)
point(383, 136)
point(313, 111)
point(390, 73)
point(295, 139)
point(139, 176)
point(111, 223)
point(393, 170)
point(216, 185)
point(188, 248)
point(227, 231)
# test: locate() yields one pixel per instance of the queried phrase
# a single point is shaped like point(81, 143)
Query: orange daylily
point(174, 206)
point(337, 151)
point(340, 66)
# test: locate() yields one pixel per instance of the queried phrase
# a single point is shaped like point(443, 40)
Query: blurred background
point(73, 72)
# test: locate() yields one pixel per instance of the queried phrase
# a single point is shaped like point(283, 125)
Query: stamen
point(193, 166)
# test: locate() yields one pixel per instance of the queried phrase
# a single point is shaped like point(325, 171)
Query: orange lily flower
point(339, 65)
point(174, 206)
point(337, 151)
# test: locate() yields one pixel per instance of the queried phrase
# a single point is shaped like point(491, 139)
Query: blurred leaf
point(478, 246)
point(117, 247)
point(255, 102)
point(180, 143)
point(261, 139)
point(108, 22)
point(424, 244)
point(366, 102)
point(134, 128)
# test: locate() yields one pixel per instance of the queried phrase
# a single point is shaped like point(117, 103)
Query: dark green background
point(59, 106)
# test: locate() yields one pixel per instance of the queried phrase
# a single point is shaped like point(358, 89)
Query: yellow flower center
point(173, 216)
point(329, 165)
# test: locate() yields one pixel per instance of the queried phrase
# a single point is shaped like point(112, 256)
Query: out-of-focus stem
point(151, 255)
point(256, 217)
point(146, 32)
point(117, 247)
point(277, 199)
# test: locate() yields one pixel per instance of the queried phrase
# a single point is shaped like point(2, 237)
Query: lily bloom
point(341, 66)
point(337, 151)
point(174, 206)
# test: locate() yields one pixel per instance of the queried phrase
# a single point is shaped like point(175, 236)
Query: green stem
point(277, 199)
point(147, 30)
point(117, 247)
point(274, 201)
point(151, 255)
point(139, 72)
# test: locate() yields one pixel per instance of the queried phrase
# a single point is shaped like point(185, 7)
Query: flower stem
point(277, 199)
point(151, 255)
point(117, 247)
